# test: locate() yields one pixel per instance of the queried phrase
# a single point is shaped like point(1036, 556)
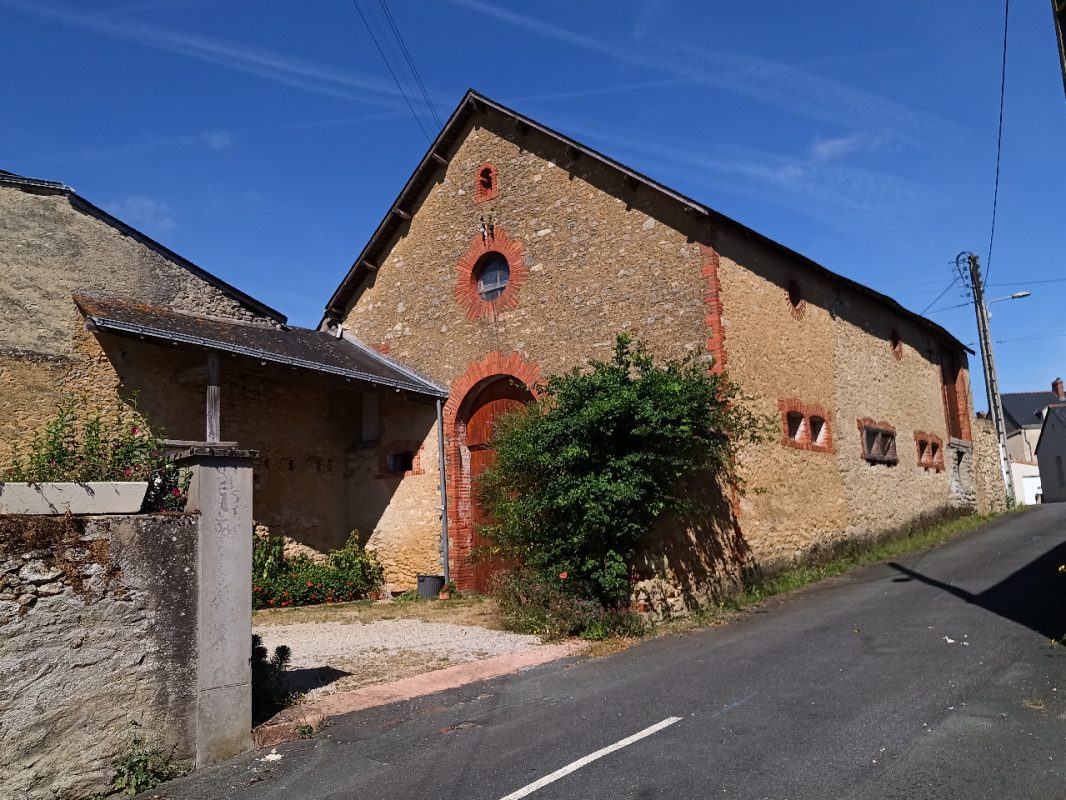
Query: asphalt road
point(928, 678)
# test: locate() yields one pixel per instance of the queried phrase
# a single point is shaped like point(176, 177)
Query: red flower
point(310, 584)
point(135, 430)
point(127, 472)
point(175, 492)
point(564, 575)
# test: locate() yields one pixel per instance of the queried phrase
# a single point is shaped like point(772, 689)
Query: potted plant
point(92, 461)
point(447, 591)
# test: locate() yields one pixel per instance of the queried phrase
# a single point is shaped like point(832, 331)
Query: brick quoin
point(466, 286)
point(808, 410)
point(712, 299)
point(462, 394)
point(486, 174)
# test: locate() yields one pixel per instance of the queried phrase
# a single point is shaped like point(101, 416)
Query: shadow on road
point(1034, 596)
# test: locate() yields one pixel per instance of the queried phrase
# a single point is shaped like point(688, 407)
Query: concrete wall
point(593, 257)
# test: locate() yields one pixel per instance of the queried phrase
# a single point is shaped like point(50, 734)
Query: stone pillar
point(221, 491)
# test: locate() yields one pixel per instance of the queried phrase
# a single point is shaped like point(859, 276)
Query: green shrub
point(350, 573)
point(267, 688)
point(582, 475)
point(532, 603)
point(142, 768)
point(83, 443)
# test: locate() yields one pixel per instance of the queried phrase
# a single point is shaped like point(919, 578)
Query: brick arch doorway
point(495, 398)
point(489, 387)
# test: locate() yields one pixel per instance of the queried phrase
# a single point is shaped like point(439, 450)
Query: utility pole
point(995, 406)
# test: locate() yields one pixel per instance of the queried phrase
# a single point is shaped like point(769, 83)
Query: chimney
point(1057, 388)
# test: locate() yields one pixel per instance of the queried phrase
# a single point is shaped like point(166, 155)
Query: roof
point(473, 104)
point(314, 350)
point(1056, 412)
point(1022, 409)
point(54, 187)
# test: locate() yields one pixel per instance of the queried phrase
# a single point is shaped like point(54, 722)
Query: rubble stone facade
point(602, 253)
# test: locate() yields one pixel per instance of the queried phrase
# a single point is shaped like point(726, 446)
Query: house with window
point(1051, 453)
point(91, 307)
point(514, 252)
point(1023, 418)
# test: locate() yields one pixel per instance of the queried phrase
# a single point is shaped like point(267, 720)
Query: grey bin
point(429, 586)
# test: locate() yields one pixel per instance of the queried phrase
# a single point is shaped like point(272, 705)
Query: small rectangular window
point(795, 426)
point(880, 445)
point(398, 463)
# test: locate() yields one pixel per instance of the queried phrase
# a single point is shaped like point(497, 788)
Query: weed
point(267, 690)
point(142, 768)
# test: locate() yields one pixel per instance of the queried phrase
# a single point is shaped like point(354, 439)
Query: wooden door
point(495, 400)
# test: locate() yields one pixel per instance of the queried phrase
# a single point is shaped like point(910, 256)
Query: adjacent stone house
point(1023, 417)
point(513, 252)
point(92, 307)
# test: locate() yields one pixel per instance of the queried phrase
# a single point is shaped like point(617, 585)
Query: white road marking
point(581, 762)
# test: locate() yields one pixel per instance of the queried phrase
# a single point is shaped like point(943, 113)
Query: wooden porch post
point(214, 414)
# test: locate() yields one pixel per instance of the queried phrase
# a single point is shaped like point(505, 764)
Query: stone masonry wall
point(97, 647)
point(991, 496)
point(599, 256)
point(48, 250)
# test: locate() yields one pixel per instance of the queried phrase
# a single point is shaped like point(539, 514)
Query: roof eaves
point(469, 105)
point(414, 375)
point(118, 326)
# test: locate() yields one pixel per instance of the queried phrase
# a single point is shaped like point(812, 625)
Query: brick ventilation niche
point(461, 396)
point(486, 183)
point(395, 447)
point(466, 291)
point(930, 451)
point(805, 426)
point(797, 303)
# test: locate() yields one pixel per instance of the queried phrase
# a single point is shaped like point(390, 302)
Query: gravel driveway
point(337, 656)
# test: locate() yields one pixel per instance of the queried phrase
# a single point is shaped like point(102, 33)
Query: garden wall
point(98, 646)
point(115, 629)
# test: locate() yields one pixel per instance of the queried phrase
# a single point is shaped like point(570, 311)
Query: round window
point(492, 273)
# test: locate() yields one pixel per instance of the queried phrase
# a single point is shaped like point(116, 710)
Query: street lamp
point(995, 404)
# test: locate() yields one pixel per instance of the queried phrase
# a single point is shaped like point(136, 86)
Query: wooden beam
point(401, 213)
point(368, 265)
point(440, 159)
point(214, 413)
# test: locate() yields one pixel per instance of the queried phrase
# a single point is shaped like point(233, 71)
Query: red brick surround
point(462, 393)
point(466, 287)
point(712, 298)
point(868, 422)
point(483, 193)
point(400, 446)
point(896, 343)
point(808, 410)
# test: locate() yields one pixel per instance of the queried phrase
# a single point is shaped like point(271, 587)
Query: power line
point(410, 62)
point(1025, 282)
point(946, 289)
point(388, 66)
point(999, 137)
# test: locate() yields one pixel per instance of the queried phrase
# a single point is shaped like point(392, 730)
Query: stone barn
point(90, 306)
point(514, 252)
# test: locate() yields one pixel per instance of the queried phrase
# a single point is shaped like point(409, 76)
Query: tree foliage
point(582, 474)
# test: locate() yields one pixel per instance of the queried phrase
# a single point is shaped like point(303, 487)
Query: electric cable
point(388, 66)
point(410, 62)
point(999, 138)
point(946, 289)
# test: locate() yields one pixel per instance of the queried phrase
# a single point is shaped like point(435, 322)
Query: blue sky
point(264, 140)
